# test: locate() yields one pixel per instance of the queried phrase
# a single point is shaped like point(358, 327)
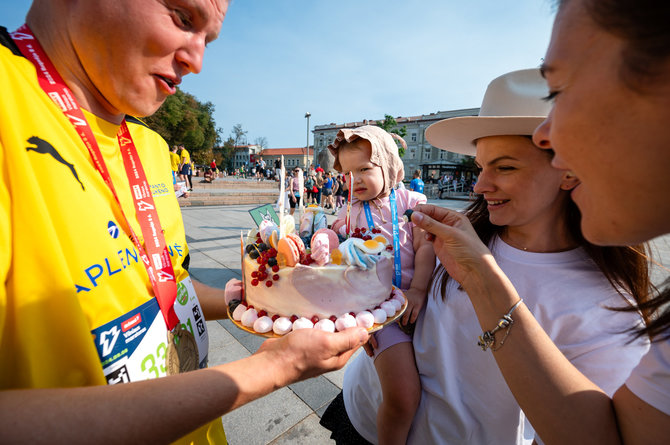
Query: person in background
point(340, 193)
point(212, 166)
point(309, 189)
point(185, 166)
point(261, 163)
point(96, 303)
point(294, 192)
point(608, 72)
point(319, 186)
point(327, 192)
point(277, 169)
point(416, 184)
point(191, 170)
point(174, 162)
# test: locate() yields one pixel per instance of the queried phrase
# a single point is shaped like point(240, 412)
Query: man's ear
point(569, 181)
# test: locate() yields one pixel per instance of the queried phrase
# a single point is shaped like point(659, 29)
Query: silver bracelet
point(488, 338)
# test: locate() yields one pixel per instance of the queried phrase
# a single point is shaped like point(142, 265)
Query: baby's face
point(368, 177)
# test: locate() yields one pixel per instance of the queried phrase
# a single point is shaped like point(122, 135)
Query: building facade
point(293, 157)
point(245, 154)
point(420, 155)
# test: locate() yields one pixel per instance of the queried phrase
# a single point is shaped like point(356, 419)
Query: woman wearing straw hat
point(526, 218)
point(608, 69)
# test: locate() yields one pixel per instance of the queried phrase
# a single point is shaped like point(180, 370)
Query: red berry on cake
point(315, 319)
point(293, 318)
point(275, 268)
point(332, 318)
point(261, 313)
point(268, 283)
point(254, 282)
point(275, 277)
point(275, 317)
point(254, 274)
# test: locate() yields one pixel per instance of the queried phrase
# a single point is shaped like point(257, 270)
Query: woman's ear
point(569, 181)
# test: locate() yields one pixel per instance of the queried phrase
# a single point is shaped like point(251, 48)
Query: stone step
point(223, 183)
point(197, 199)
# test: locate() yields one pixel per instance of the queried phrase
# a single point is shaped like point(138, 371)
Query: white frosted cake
point(329, 286)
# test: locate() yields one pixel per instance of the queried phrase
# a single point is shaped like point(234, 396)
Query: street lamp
point(307, 115)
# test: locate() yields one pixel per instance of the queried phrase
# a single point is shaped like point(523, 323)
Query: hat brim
point(459, 134)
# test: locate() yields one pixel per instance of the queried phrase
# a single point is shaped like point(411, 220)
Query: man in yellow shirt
point(185, 166)
point(93, 254)
point(174, 162)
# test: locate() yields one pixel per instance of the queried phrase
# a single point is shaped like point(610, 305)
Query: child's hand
point(370, 346)
point(415, 300)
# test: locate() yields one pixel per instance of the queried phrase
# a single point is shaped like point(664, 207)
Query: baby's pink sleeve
point(416, 198)
point(413, 199)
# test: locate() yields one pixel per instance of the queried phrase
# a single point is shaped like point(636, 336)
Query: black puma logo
point(43, 146)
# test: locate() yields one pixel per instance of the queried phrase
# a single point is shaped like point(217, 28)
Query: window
point(413, 137)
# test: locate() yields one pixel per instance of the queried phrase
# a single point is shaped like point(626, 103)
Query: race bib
point(134, 346)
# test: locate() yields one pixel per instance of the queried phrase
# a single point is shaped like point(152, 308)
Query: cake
point(315, 279)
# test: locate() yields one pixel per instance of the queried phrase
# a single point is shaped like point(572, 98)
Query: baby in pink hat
point(370, 154)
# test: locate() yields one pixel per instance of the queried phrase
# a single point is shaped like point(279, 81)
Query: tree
point(239, 136)
point(183, 120)
point(262, 142)
point(391, 125)
point(228, 152)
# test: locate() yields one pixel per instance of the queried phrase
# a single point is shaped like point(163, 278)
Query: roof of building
point(437, 116)
point(286, 151)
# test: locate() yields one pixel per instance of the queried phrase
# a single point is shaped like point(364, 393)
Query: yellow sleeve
point(5, 240)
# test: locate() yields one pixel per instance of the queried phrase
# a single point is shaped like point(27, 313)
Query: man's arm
point(165, 409)
point(212, 300)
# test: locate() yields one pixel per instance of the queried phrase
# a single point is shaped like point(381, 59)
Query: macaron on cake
point(315, 279)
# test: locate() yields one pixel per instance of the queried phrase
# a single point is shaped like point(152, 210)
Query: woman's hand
point(455, 241)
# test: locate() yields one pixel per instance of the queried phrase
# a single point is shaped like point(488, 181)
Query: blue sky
point(349, 60)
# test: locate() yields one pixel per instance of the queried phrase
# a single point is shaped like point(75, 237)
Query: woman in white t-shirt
point(608, 71)
point(525, 215)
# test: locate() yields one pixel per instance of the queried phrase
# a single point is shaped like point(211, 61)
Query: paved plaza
point(289, 415)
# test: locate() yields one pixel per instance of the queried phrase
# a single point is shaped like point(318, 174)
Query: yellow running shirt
point(174, 161)
point(77, 298)
point(185, 157)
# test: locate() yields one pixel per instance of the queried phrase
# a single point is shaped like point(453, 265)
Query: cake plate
point(376, 327)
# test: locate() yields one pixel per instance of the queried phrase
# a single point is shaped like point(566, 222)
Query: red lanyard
point(155, 253)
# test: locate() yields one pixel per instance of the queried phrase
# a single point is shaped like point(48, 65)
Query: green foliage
point(468, 163)
point(224, 154)
point(391, 125)
point(183, 120)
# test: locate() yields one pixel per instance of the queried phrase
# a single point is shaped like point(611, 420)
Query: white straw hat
point(512, 105)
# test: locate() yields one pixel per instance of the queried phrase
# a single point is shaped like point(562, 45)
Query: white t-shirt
point(464, 396)
point(650, 381)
